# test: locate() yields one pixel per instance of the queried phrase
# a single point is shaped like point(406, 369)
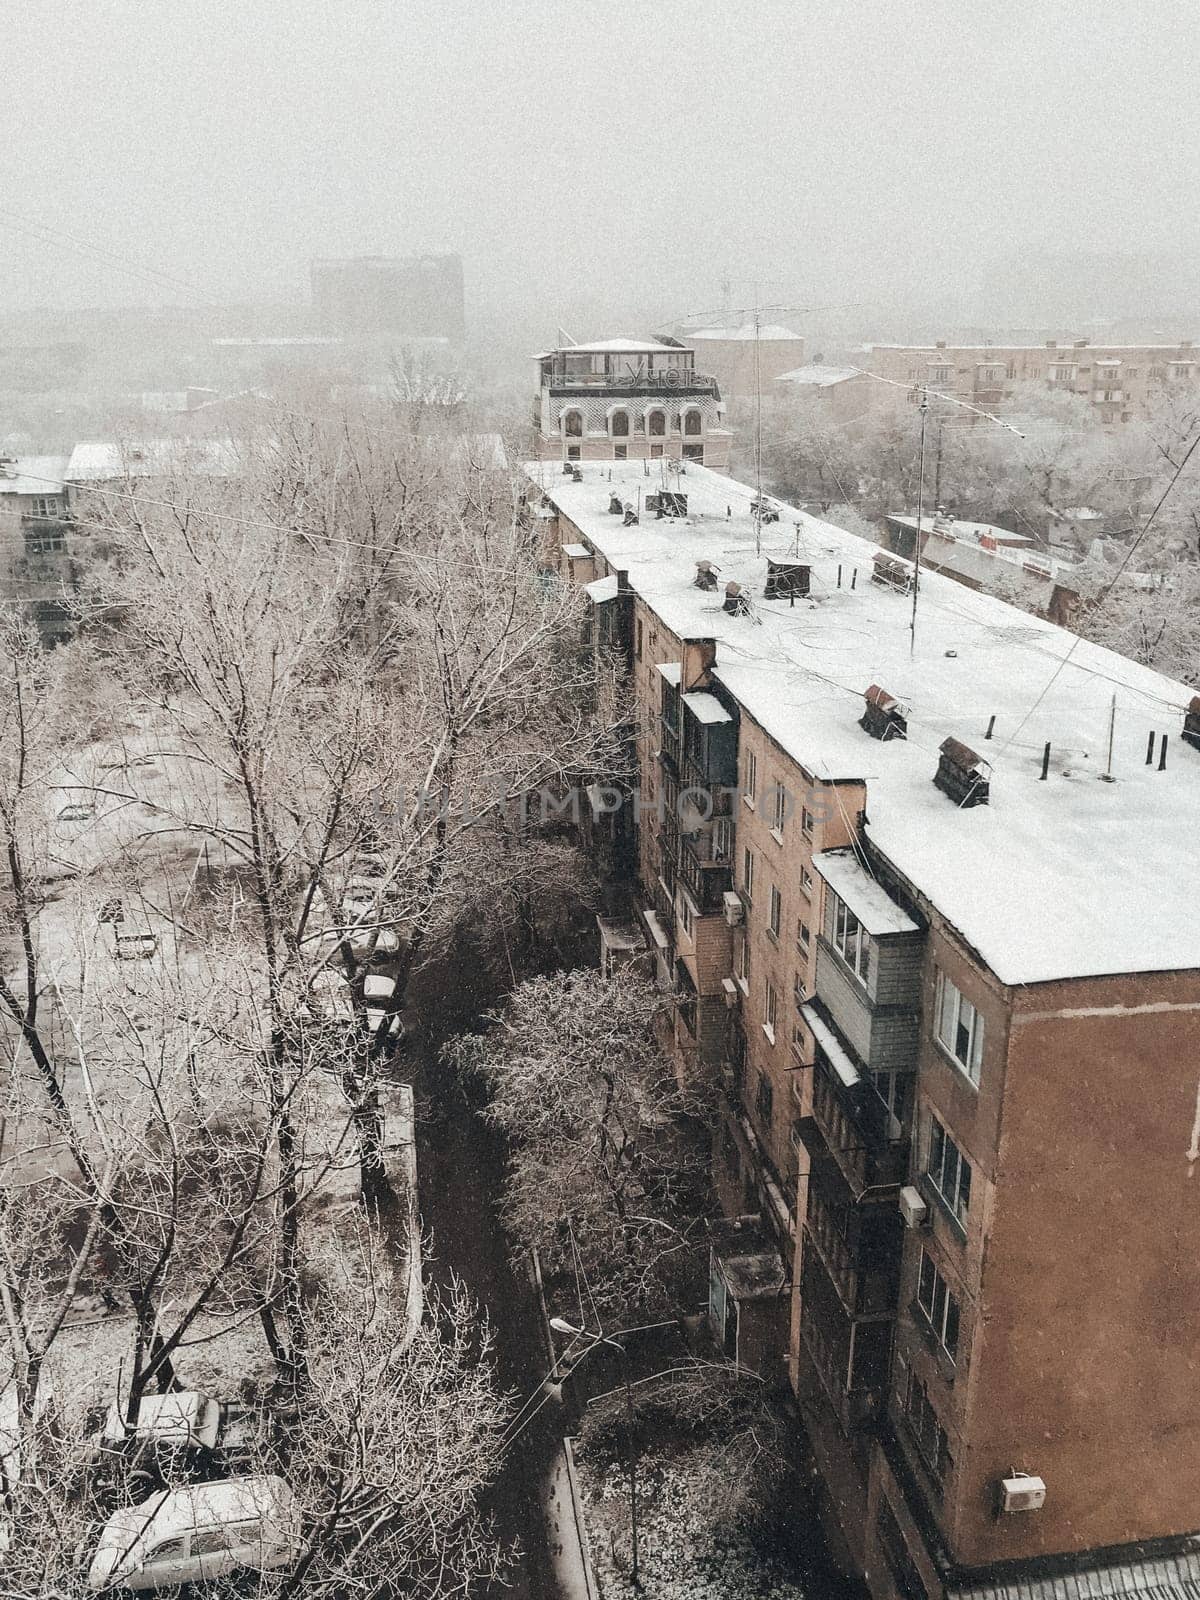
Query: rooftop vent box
point(1191, 723)
point(735, 602)
point(883, 716)
point(1022, 1492)
point(706, 575)
point(891, 574)
point(963, 775)
point(786, 579)
point(616, 506)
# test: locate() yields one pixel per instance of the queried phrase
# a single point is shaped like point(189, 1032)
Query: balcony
point(705, 876)
point(854, 1127)
point(1108, 397)
point(860, 1247)
point(634, 382)
point(850, 1358)
point(879, 1018)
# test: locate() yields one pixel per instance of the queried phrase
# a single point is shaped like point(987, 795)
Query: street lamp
point(561, 1325)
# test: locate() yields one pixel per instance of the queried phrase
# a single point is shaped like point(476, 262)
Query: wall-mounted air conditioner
point(912, 1207)
point(735, 911)
point(731, 992)
point(1022, 1492)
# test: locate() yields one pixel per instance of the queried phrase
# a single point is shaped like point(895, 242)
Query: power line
point(47, 234)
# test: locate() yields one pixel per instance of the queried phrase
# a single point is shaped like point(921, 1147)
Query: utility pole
point(757, 425)
point(916, 584)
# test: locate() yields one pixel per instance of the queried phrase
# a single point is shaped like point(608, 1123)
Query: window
point(850, 939)
point(776, 912)
point(685, 914)
point(751, 778)
point(778, 807)
point(940, 374)
point(892, 1088)
point(692, 423)
point(764, 1100)
point(806, 881)
point(743, 969)
point(693, 452)
point(939, 1305)
point(771, 1010)
point(803, 936)
point(620, 424)
point(949, 1170)
point(573, 424)
point(748, 872)
point(959, 1028)
point(45, 505)
point(722, 838)
point(620, 452)
point(656, 451)
point(45, 539)
point(572, 452)
point(208, 1541)
point(638, 644)
point(169, 1550)
point(927, 1431)
point(656, 424)
point(806, 822)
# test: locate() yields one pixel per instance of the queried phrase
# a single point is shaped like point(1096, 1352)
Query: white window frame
point(751, 779)
point(955, 1016)
point(806, 882)
point(946, 1171)
point(748, 872)
point(770, 1010)
point(775, 911)
point(778, 811)
point(850, 939)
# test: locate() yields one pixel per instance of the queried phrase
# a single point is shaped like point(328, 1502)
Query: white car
point(329, 995)
point(378, 990)
point(199, 1534)
point(185, 1418)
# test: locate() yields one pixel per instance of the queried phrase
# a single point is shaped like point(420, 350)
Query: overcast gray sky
point(580, 151)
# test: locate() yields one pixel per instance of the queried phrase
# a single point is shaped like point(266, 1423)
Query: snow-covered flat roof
point(819, 377)
point(1070, 877)
point(104, 460)
point(961, 528)
point(856, 888)
point(769, 332)
point(600, 347)
point(35, 475)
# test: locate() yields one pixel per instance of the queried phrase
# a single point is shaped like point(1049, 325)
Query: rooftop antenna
point(757, 425)
point(953, 400)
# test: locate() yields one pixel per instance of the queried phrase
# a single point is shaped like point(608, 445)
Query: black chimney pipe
point(1046, 761)
point(1162, 754)
point(1150, 748)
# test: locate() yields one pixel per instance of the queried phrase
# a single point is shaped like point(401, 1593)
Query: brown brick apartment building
point(1121, 382)
point(947, 965)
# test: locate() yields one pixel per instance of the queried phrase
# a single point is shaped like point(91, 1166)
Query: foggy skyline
point(626, 154)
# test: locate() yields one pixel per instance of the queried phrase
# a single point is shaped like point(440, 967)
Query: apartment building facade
point(628, 400)
point(744, 358)
point(38, 569)
point(958, 1062)
point(1120, 382)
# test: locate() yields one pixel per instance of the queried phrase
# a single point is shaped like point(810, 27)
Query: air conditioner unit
point(1022, 1492)
point(731, 991)
point(735, 911)
point(912, 1207)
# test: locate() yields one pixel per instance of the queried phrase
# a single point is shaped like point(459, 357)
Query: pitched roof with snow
point(640, 347)
point(1028, 879)
point(106, 460)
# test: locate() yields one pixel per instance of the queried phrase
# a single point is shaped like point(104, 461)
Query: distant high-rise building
point(411, 297)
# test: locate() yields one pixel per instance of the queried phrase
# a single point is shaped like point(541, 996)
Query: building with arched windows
point(628, 400)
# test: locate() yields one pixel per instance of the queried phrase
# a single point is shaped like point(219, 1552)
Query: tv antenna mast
point(926, 394)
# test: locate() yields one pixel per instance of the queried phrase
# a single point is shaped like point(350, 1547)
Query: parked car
point(172, 1437)
point(329, 995)
point(378, 992)
point(373, 944)
point(197, 1534)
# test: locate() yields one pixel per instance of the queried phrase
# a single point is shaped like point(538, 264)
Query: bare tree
point(600, 1156)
